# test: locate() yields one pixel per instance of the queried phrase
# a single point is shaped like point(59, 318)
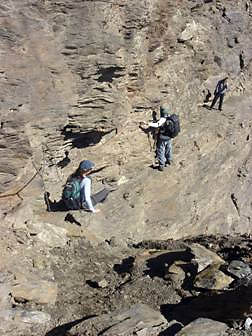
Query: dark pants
point(100, 196)
point(216, 97)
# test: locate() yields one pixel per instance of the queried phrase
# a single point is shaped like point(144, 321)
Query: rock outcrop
point(78, 77)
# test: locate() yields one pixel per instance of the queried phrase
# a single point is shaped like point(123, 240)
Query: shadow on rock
point(70, 218)
point(64, 328)
point(125, 267)
point(172, 330)
point(224, 307)
point(158, 266)
point(54, 206)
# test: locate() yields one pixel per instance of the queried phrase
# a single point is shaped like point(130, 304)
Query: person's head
point(225, 79)
point(85, 167)
point(164, 112)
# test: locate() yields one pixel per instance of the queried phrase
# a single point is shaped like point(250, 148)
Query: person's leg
point(214, 100)
point(100, 196)
point(168, 151)
point(221, 102)
point(161, 153)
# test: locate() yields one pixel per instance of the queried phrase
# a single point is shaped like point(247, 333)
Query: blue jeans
point(164, 151)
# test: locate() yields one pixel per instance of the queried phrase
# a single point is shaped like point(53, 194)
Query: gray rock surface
point(91, 86)
point(204, 257)
point(212, 278)
point(139, 318)
point(40, 291)
point(239, 269)
point(204, 327)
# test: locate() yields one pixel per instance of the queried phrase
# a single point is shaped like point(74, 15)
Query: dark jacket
point(164, 131)
point(221, 87)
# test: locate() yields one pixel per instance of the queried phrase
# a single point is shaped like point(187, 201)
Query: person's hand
point(97, 210)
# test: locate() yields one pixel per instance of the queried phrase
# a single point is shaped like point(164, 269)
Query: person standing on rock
point(77, 191)
point(169, 127)
point(219, 93)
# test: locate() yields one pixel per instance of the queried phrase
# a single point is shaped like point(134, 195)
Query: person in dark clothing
point(219, 93)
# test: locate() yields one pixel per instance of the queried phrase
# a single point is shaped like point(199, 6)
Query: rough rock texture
point(76, 78)
point(202, 327)
point(139, 318)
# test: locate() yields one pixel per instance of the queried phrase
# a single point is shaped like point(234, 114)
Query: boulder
point(139, 319)
point(203, 327)
point(204, 257)
point(176, 274)
point(39, 291)
point(239, 269)
point(212, 278)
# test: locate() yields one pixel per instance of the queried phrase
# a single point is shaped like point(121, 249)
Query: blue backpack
point(71, 194)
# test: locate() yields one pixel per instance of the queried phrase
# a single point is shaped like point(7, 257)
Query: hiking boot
point(168, 163)
point(160, 168)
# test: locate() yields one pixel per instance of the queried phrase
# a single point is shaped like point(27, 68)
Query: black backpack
point(71, 194)
point(172, 126)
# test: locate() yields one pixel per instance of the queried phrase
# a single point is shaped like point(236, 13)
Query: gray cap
point(86, 165)
point(164, 111)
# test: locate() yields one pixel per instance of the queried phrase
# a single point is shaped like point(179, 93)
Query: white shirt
point(157, 124)
point(86, 193)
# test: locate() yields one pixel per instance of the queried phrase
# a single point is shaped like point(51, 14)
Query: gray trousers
point(164, 151)
point(100, 196)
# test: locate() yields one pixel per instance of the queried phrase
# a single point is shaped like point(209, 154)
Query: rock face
point(78, 76)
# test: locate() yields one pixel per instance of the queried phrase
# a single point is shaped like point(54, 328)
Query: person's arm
point(157, 124)
point(86, 184)
point(225, 88)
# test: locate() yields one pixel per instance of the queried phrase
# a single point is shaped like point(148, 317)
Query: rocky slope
point(76, 78)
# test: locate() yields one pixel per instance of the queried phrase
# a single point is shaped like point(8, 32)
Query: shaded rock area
point(125, 290)
point(169, 253)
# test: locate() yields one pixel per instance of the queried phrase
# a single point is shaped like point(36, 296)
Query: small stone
point(248, 323)
point(239, 269)
point(102, 284)
point(122, 180)
point(176, 274)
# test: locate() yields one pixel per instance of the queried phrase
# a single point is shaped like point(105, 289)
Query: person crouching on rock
point(77, 191)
